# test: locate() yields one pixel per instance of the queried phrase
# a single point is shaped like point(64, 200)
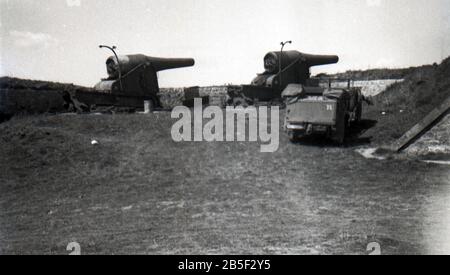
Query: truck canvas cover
point(335, 94)
point(294, 92)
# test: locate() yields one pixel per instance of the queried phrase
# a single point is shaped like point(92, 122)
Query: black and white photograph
point(225, 128)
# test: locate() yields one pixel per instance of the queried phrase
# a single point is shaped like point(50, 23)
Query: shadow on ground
point(354, 138)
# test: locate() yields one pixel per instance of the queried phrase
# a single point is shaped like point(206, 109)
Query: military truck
point(311, 110)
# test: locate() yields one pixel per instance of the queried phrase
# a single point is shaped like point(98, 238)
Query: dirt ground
point(138, 192)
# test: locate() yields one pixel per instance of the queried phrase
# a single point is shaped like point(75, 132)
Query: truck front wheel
point(358, 114)
point(294, 135)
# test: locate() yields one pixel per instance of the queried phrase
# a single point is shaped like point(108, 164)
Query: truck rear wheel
point(340, 138)
point(341, 131)
point(358, 114)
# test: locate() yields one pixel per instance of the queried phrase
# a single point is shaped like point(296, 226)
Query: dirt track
point(139, 192)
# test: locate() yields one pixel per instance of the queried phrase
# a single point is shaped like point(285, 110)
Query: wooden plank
point(422, 127)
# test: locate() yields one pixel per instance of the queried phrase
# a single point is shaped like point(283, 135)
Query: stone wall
point(171, 97)
point(369, 87)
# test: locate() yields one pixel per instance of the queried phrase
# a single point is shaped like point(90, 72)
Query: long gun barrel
point(317, 60)
point(128, 63)
point(290, 58)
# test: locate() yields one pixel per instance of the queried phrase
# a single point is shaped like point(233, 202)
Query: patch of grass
point(140, 192)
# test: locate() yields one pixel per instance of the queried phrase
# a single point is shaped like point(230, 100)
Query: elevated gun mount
point(136, 75)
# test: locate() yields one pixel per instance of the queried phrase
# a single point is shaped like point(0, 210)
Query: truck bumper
point(296, 127)
point(307, 128)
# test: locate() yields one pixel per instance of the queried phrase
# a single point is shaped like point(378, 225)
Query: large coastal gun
point(290, 67)
point(281, 69)
point(136, 75)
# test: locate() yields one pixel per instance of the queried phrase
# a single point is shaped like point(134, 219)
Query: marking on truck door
point(329, 107)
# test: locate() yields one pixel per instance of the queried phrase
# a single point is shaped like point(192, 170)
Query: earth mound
point(405, 104)
point(13, 83)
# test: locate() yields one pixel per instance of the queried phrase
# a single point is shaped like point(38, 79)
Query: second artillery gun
point(281, 69)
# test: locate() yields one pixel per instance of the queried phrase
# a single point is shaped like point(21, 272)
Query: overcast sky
point(58, 40)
